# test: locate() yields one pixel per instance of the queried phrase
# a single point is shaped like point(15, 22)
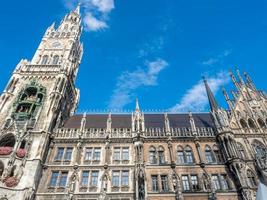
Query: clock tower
point(39, 97)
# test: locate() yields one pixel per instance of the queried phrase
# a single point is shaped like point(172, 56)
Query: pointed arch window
point(243, 123)
point(261, 123)
point(180, 155)
point(209, 155)
point(259, 148)
point(152, 155)
point(189, 158)
point(217, 153)
point(161, 155)
point(241, 151)
point(44, 60)
point(251, 179)
point(55, 59)
point(251, 123)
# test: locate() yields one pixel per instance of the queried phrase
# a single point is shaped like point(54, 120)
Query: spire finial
point(212, 101)
point(239, 77)
point(77, 9)
point(137, 109)
point(234, 80)
point(249, 81)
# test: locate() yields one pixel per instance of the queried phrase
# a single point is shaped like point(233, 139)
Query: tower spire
point(240, 77)
point(234, 80)
point(137, 109)
point(249, 81)
point(212, 100)
point(77, 9)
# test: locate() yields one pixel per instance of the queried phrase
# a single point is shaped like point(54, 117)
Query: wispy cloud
point(216, 59)
point(195, 99)
point(128, 82)
point(96, 12)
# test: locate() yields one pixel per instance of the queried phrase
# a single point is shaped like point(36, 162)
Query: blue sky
point(156, 50)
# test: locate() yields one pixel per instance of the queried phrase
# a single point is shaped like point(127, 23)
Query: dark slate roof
point(151, 120)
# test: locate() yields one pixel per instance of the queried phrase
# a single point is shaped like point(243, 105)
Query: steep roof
point(151, 120)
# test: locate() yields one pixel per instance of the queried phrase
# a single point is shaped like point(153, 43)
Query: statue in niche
point(206, 182)
point(141, 185)
point(73, 180)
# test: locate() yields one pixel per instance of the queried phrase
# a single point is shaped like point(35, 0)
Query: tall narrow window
point(60, 152)
point(216, 183)
point(117, 153)
point(189, 155)
point(217, 154)
point(251, 179)
point(155, 187)
point(194, 182)
point(224, 182)
point(55, 60)
point(125, 153)
point(125, 178)
point(152, 155)
point(54, 177)
point(180, 155)
point(161, 155)
point(85, 178)
point(97, 154)
point(164, 183)
point(68, 154)
point(88, 154)
point(94, 179)
point(209, 156)
point(241, 151)
point(115, 178)
point(63, 179)
point(44, 60)
point(185, 182)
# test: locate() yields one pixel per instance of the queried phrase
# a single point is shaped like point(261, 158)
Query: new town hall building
point(47, 152)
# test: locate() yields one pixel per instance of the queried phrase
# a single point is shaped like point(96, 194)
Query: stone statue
point(141, 185)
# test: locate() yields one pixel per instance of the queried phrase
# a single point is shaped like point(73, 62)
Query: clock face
point(56, 44)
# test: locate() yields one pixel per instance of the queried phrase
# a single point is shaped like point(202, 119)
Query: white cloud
point(127, 82)
point(218, 58)
point(93, 24)
point(103, 5)
point(196, 98)
point(96, 12)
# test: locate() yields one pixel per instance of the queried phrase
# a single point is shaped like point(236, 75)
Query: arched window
point(217, 154)
point(251, 123)
point(209, 155)
point(251, 179)
point(180, 155)
point(44, 60)
point(161, 155)
point(243, 123)
point(55, 59)
point(152, 155)
point(8, 141)
point(259, 148)
point(261, 123)
point(189, 158)
point(22, 144)
point(241, 151)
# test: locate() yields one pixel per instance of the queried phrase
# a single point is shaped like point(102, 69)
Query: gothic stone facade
point(49, 152)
